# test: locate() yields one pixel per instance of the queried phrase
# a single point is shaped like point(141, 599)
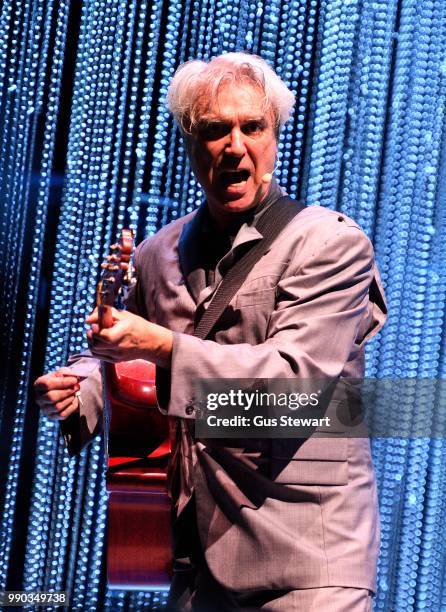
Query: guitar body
point(139, 554)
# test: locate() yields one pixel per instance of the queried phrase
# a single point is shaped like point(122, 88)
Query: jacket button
point(189, 410)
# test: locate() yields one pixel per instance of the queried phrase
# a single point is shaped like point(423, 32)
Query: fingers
point(70, 410)
point(57, 407)
point(117, 315)
point(109, 334)
point(96, 335)
point(106, 339)
point(95, 329)
point(62, 410)
point(130, 337)
point(93, 316)
point(54, 397)
point(65, 372)
point(54, 381)
point(56, 393)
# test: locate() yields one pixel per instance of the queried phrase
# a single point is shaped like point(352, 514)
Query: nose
point(236, 143)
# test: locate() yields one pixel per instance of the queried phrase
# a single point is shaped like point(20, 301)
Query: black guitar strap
point(270, 224)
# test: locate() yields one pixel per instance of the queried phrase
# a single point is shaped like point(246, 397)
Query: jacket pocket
point(251, 298)
point(318, 461)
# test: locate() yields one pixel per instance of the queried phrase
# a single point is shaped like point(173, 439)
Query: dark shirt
point(215, 243)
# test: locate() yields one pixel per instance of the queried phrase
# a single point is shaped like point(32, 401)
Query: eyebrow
point(219, 120)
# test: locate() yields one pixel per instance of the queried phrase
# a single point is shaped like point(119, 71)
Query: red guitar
point(139, 552)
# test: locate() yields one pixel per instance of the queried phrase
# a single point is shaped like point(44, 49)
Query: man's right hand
point(56, 394)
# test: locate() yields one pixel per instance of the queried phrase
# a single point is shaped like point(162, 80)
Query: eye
point(212, 130)
point(254, 126)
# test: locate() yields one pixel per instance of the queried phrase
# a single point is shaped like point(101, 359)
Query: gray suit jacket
point(280, 514)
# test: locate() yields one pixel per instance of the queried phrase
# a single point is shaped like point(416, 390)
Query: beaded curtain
point(367, 137)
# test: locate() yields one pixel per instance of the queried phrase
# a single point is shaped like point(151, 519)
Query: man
point(275, 525)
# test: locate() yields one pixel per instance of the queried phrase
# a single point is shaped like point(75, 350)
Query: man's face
point(231, 148)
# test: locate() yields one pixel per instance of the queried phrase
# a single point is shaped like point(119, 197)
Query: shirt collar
point(250, 217)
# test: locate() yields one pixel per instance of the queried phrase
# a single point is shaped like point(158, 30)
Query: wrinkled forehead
point(231, 99)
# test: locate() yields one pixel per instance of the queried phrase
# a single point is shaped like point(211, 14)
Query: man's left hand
point(130, 337)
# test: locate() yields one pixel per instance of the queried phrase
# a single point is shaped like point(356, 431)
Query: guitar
point(139, 553)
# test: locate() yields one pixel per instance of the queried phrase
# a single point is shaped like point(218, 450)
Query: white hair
point(197, 81)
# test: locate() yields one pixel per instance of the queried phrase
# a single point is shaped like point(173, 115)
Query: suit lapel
point(189, 254)
point(247, 235)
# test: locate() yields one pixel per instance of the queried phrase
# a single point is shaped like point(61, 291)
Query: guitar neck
point(105, 316)
point(117, 271)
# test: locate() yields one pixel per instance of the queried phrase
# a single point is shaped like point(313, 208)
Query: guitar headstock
point(117, 273)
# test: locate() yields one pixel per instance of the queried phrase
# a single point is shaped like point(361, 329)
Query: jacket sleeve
point(82, 427)
point(318, 318)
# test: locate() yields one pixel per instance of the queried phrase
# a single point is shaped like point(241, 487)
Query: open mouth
point(234, 177)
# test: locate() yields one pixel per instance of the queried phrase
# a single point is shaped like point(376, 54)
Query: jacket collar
point(189, 253)
point(196, 230)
